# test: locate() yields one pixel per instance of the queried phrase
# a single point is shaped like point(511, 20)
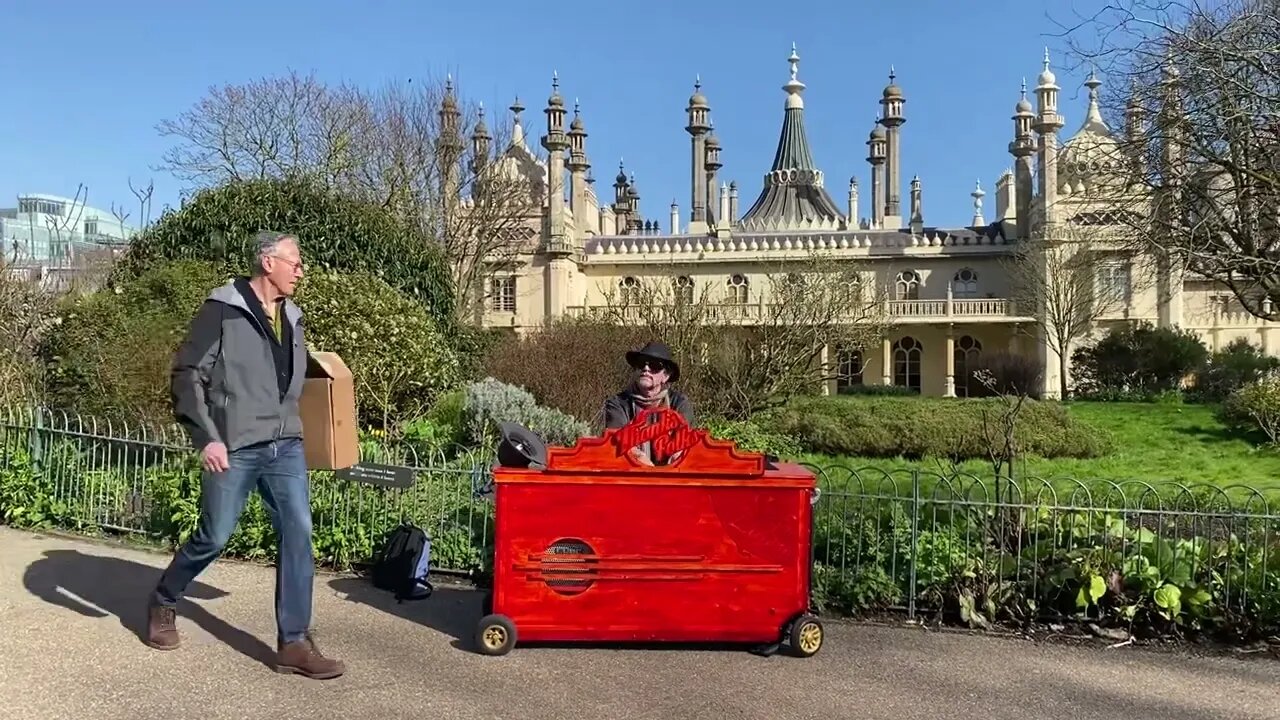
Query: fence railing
point(977, 550)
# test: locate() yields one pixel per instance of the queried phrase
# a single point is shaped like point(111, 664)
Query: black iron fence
point(974, 550)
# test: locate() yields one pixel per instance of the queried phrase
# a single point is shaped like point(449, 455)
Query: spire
point(794, 87)
point(793, 196)
point(1093, 121)
point(977, 195)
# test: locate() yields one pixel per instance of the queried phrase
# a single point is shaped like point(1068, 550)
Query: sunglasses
point(650, 365)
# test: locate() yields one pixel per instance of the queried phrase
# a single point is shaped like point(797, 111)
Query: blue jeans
point(279, 471)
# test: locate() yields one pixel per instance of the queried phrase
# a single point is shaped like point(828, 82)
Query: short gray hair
point(265, 243)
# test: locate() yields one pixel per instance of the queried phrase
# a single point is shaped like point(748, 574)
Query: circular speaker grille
point(564, 570)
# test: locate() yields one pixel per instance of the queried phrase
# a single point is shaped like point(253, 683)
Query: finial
point(555, 80)
point(1046, 57)
point(1024, 88)
point(575, 106)
point(795, 63)
point(892, 75)
point(481, 109)
point(516, 108)
point(977, 189)
point(697, 82)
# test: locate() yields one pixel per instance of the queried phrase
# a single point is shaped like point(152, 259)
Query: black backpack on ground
point(404, 564)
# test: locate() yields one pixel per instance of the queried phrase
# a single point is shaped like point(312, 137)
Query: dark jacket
point(620, 409)
point(232, 381)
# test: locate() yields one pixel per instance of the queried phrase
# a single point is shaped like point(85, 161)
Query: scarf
point(644, 402)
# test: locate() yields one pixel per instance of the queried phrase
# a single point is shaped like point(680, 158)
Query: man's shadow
point(96, 585)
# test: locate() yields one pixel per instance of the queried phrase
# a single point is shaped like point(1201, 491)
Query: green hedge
point(913, 428)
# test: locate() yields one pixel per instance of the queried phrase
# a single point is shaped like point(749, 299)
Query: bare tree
point(1078, 276)
point(1199, 93)
point(755, 348)
point(417, 148)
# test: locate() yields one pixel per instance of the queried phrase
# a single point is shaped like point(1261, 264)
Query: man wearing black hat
point(653, 372)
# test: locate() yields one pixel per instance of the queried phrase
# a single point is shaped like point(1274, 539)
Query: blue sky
point(86, 83)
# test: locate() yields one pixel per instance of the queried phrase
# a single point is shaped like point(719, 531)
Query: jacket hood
point(228, 295)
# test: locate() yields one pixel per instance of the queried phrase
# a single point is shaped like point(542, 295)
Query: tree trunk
point(1062, 377)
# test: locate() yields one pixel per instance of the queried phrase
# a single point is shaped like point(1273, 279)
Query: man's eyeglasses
point(297, 266)
point(651, 366)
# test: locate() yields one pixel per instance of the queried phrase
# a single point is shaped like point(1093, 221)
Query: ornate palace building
point(946, 293)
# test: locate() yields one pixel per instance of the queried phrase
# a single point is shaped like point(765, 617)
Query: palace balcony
point(922, 312)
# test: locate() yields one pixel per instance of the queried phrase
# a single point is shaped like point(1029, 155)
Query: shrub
point(490, 402)
point(110, 354)
point(570, 365)
point(755, 436)
point(400, 358)
point(1231, 368)
point(1137, 361)
point(887, 427)
point(1255, 407)
point(337, 233)
point(1012, 374)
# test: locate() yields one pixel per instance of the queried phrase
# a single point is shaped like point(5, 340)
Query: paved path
point(70, 611)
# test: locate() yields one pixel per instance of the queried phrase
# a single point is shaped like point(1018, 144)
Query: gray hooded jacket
point(226, 384)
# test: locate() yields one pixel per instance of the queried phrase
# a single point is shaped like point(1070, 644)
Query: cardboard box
point(328, 406)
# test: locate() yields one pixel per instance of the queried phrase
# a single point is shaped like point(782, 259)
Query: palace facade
point(946, 293)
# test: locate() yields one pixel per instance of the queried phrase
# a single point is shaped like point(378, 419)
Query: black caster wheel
point(804, 636)
point(495, 635)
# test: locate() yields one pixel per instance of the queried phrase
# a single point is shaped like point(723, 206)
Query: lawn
point(1152, 442)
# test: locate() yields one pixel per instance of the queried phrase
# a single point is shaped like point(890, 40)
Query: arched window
point(738, 289)
point(965, 284)
point(684, 290)
point(906, 363)
point(968, 360)
point(908, 285)
point(848, 369)
point(629, 291)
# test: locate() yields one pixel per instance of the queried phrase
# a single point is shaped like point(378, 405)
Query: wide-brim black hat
point(655, 351)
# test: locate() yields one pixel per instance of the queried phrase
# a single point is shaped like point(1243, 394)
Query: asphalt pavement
point(71, 612)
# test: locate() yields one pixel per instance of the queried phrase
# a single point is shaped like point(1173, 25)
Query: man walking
point(235, 387)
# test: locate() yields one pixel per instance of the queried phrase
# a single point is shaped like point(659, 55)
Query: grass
point(1155, 443)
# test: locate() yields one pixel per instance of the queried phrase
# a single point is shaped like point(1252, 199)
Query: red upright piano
point(714, 546)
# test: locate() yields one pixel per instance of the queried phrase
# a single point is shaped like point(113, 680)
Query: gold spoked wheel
point(805, 636)
point(495, 635)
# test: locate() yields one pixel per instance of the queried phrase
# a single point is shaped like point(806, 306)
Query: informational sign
point(387, 476)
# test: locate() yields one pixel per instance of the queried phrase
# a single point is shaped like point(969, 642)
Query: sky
point(85, 84)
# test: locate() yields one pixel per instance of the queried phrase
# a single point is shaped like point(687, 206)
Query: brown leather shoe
point(304, 658)
point(162, 629)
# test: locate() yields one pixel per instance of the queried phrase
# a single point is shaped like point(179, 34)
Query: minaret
point(977, 195)
point(449, 144)
point(633, 205)
point(876, 156)
point(713, 166)
point(480, 139)
point(1135, 132)
point(621, 214)
point(852, 223)
point(893, 120)
point(699, 124)
point(1170, 267)
point(917, 207)
point(1022, 148)
point(556, 142)
point(1047, 124)
point(578, 166)
point(733, 202)
point(675, 217)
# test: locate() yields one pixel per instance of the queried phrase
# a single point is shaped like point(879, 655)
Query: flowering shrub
point(489, 402)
